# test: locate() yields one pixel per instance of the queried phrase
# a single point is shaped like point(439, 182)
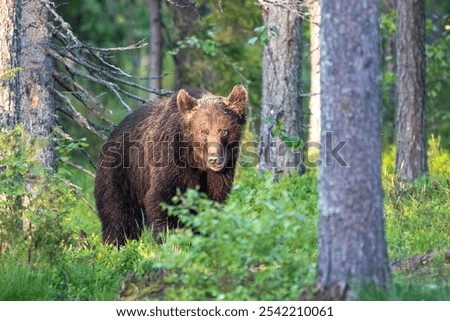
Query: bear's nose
point(215, 160)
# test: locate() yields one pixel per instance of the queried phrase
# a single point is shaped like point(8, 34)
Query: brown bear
point(186, 141)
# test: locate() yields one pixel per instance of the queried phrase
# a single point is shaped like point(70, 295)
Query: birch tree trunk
point(155, 46)
point(411, 159)
point(26, 98)
point(352, 246)
point(314, 49)
point(281, 115)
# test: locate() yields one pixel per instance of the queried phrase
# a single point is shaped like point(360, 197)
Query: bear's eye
point(223, 133)
point(205, 131)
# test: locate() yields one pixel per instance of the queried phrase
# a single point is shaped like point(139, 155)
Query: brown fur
point(190, 139)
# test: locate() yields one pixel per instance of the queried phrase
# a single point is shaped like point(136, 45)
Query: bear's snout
point(215, 156)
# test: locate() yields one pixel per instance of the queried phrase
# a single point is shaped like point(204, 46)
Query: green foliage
point(65, 147)
point(33, 202)
point(217, 57)
point(293, 142)
point(387, 23)
point(262, 34)
point(230, 256)
point(438, 56)
point(208, 46)
point(438, 77)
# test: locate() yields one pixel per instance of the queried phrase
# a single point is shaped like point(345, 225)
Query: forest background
point(219, 44)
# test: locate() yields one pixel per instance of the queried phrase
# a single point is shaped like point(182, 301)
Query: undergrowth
point(260, 245)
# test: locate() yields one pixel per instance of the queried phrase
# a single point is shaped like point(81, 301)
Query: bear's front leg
point(162, 189)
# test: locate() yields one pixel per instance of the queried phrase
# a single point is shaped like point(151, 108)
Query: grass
point(20, 283)
point(261, 245)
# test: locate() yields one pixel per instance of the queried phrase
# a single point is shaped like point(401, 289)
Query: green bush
point(261, 245)
point(33, 201)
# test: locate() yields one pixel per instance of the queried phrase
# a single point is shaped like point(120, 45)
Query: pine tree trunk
point(10, 51)
point(411, 159)
point(26, 98)
point(352, 246)
point(281, 89)
point(155, 46)
point(389, 107)
point(314, 51)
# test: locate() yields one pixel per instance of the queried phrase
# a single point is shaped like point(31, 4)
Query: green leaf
point(260, 29)
point(252, 40)
point(276, 131)
point(264, 39)
point(209, 47)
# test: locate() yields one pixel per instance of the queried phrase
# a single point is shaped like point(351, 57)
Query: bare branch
point(137, 45)
point(50, 7)
point(83, 96)
point(80, 168)
point(75, 115)
point(114, 88)
point(296, 6)
point(76, 189)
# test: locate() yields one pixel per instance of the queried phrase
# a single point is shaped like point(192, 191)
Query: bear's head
point(213, 126)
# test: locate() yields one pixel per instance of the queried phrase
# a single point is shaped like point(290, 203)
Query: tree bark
point(26, 98)
point(411, 161)
point(314, 51)
point(352, 246)
point(155, 46)
point(183, 14)
point(10, 16)
point(281, 92)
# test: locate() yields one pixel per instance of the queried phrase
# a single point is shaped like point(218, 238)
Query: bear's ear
point(185, 102)
point(237, 100)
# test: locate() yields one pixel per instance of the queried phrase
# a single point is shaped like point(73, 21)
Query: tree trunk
point(411, 159)
point(281, 115)
point(314, 51)
point(155, 46)
point(26, 98)
point(352, 246)
point(183, 14)
point(10, 50)
point(389, 106)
